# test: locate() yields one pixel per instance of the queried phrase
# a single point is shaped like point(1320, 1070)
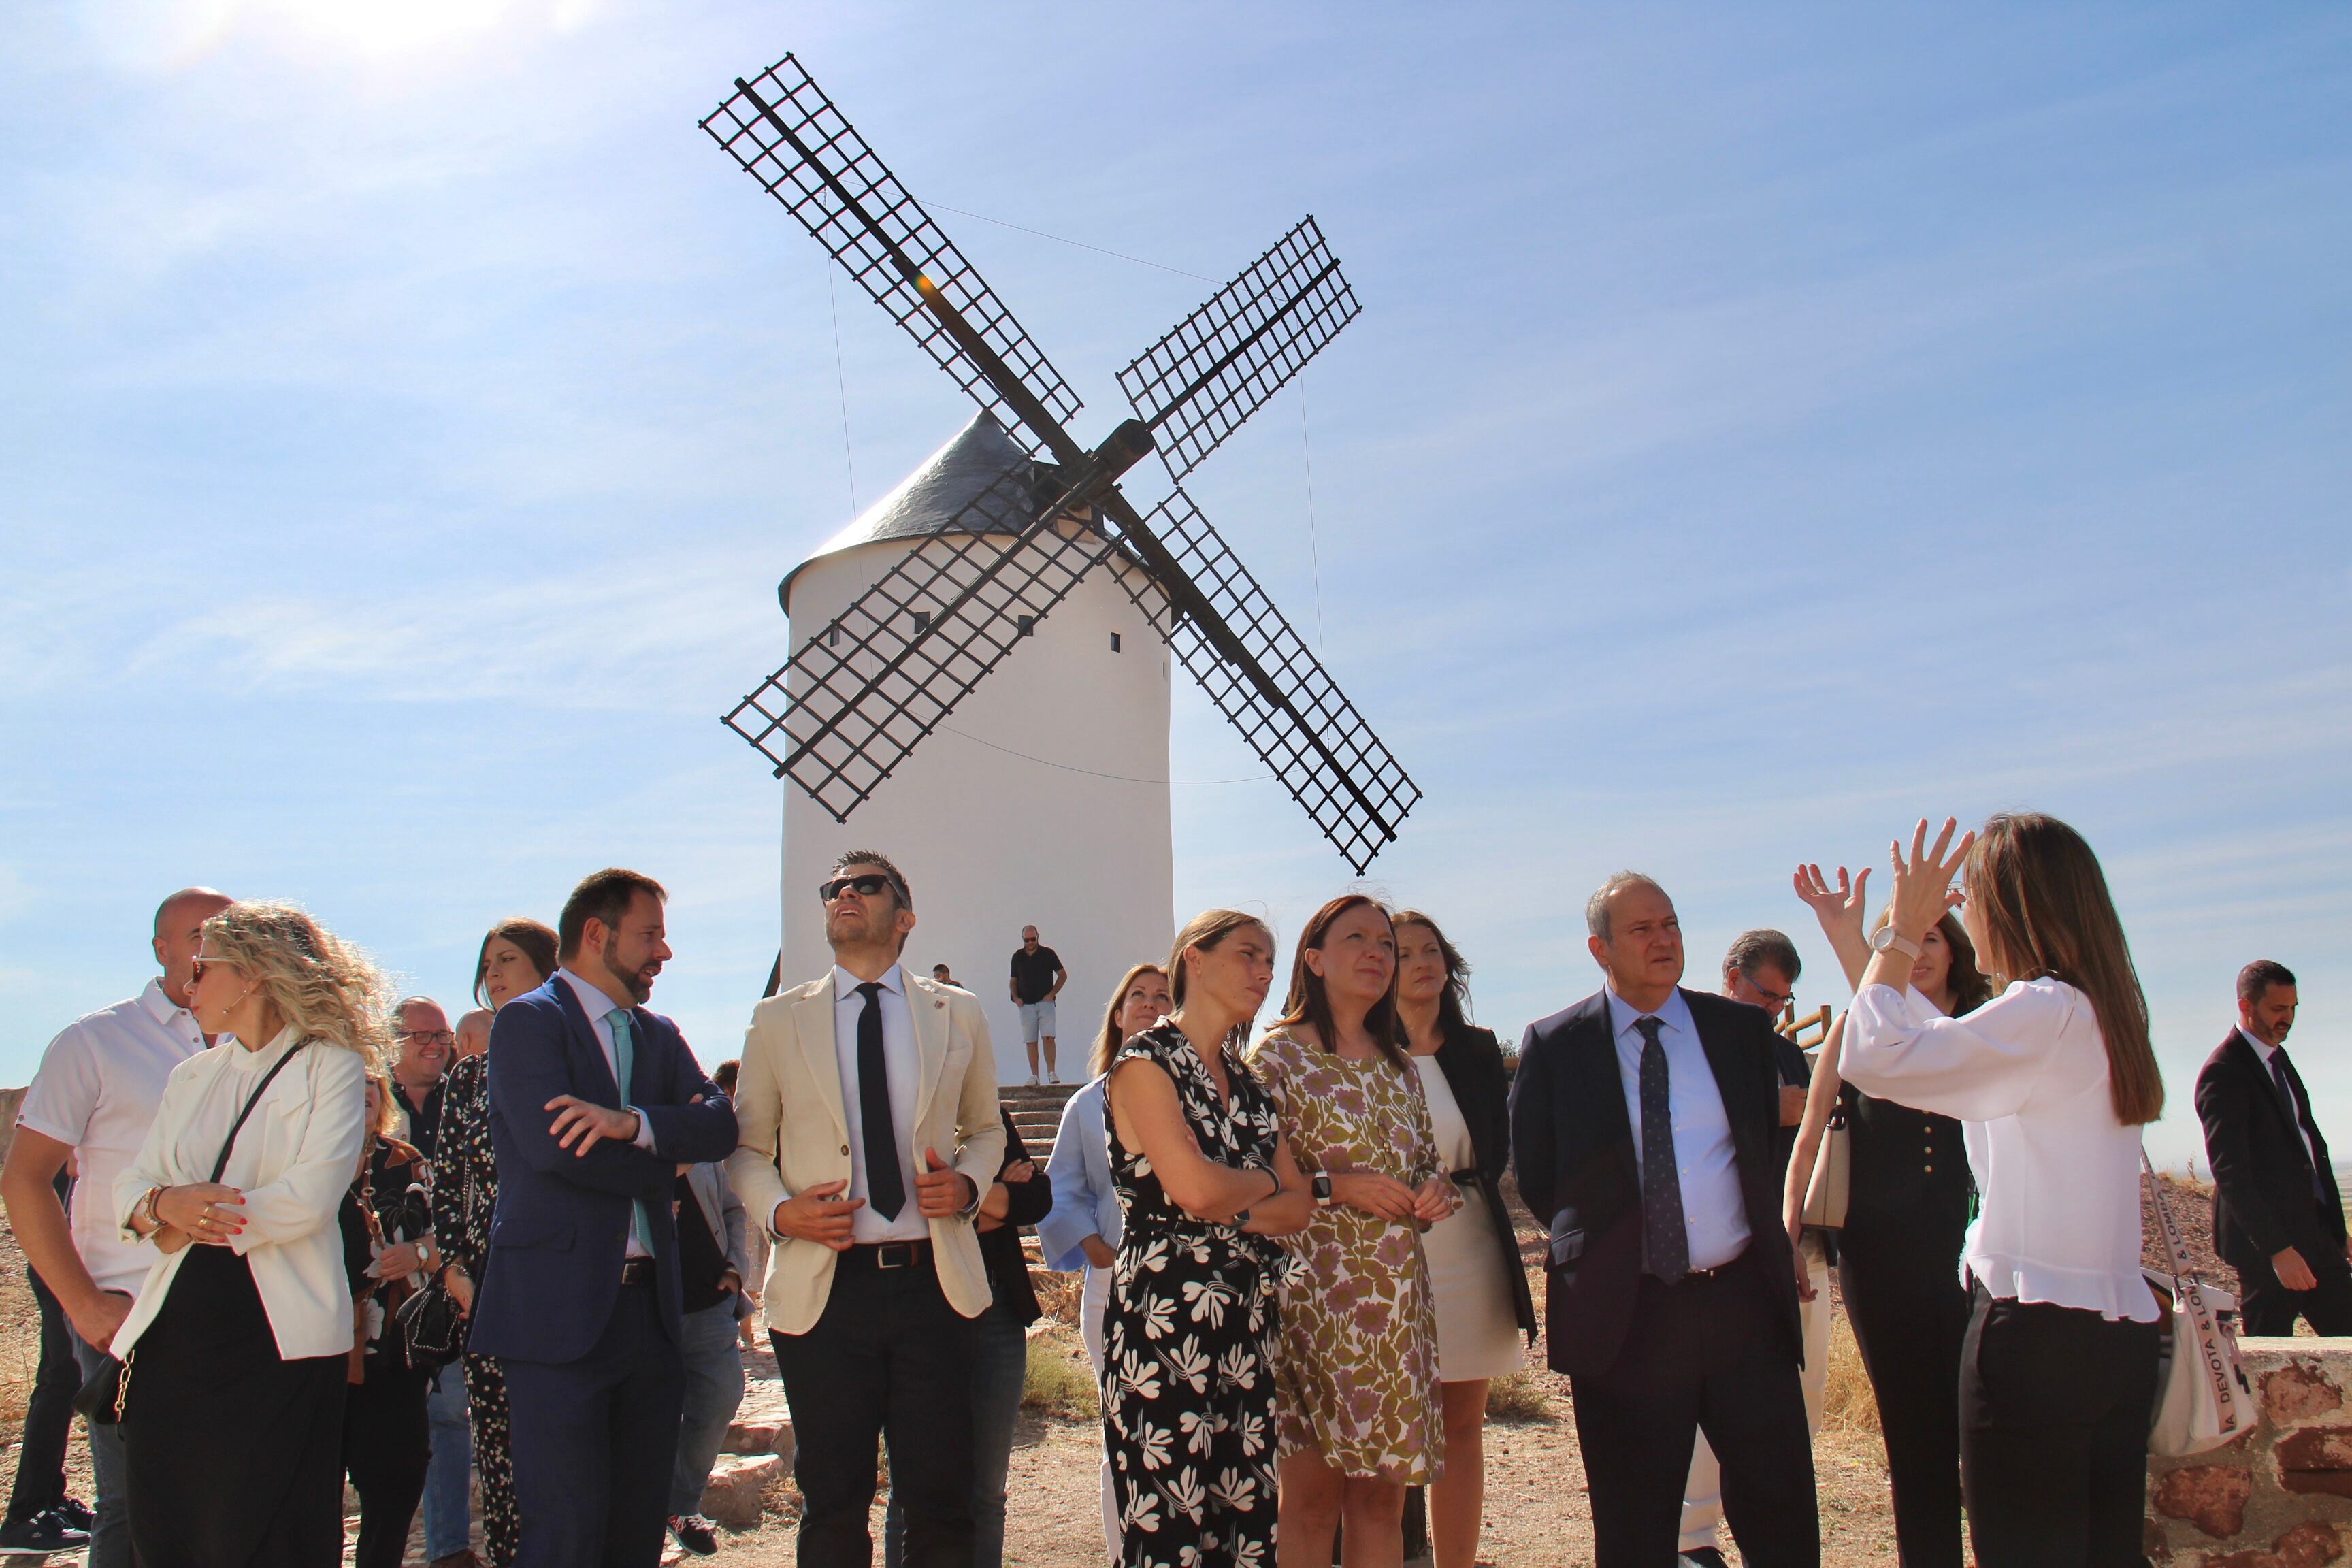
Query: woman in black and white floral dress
point(1204, 1183)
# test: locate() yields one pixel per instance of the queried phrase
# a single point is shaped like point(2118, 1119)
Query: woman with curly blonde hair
point(238, 1346)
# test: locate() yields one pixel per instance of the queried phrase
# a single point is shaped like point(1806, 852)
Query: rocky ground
point(1537, 1514)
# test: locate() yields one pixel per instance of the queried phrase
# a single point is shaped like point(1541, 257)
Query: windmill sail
point(1217, 365)
point(787, 135)
point(1262, 677)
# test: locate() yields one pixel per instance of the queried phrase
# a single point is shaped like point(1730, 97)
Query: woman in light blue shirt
point(1083, 1228)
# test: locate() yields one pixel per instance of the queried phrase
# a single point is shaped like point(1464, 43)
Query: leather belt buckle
point(638, 1271)
point(897, 1254)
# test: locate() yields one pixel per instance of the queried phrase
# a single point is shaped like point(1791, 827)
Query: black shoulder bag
point(101, 1398)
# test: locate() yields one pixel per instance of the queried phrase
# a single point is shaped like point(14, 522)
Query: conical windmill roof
point(929, 500)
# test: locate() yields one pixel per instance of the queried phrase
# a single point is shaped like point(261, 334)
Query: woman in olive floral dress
point(517, 957)
point(1204, 1182)
point(1360, 1413)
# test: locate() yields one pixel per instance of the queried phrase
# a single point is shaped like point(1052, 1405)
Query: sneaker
point(1053, 1077)
point(43, 1532)
point(1033, 1080)
point(696, 1534)
point(76, 1513)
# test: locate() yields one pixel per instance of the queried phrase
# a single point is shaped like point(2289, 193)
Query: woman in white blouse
point(2051, 1082)
point(240, 1343)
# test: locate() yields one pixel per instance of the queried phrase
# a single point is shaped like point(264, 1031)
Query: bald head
point(179, 932)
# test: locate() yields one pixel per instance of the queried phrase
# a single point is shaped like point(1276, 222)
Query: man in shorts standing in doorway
point(1038, 979)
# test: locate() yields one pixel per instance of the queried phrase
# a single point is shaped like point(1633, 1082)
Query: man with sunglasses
point(870, 1134)
point(93, 1101)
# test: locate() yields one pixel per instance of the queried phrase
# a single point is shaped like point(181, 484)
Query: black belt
point(638, 1271)
point(890, 1255)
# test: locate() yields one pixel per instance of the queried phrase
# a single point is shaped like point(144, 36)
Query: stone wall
point(2280, 1497)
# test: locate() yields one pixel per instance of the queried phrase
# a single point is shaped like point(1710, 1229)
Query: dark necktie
point(885, 1189)
point(2294, 1117)
point(1665, 1243)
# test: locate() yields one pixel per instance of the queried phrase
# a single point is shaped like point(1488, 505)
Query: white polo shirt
point(97, 1090)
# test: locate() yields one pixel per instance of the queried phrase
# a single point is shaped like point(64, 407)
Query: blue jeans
point(448, 1502)
point(109, 1540)
point(714, 1391)
point(1000, 1365)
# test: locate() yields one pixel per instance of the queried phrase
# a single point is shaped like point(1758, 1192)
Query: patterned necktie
point(885, 1189)
point(2294, 1117)
point(624, 1060)
point(1665, 1240)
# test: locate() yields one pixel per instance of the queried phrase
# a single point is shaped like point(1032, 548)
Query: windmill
point(951, 578)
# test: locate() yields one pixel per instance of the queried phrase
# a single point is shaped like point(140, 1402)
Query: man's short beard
point(640, 989)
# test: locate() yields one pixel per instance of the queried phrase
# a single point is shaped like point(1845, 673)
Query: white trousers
point(1090, 1331)
point(1703, 1493)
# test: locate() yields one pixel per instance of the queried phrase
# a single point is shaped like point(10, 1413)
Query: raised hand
point(1839, 909)
point(1922, 881)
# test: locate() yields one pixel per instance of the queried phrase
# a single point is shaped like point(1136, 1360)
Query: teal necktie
point(625, 1057)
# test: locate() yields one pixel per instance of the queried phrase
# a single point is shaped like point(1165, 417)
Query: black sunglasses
point(865, 885)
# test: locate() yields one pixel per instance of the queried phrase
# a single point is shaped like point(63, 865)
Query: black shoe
point(696, 1534)
point(43, 1532)
point(75, 1513)
point(1704, 1557)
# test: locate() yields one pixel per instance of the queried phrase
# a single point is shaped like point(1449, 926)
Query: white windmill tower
point(1011, 554)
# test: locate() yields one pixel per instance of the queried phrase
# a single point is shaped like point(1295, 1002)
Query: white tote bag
point(2204, 1400)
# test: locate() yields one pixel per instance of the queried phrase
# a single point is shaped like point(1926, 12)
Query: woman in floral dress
point(517, 957)
point(1359, 1412)
point(1204, 1182)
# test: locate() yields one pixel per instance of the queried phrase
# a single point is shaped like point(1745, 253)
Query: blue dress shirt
point(1085, 1202)
point(1714, 1213)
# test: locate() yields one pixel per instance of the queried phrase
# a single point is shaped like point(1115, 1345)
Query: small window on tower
point(922, 622)
point(1028, 624)
point(832, 635)
point(1114, 642)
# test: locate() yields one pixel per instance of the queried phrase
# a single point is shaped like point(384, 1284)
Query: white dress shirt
point(600, 1009)
point(2058, 1217)
point(295, 1158)
point(866, 1227)
point(1707, 1164)
point(2263, 1051)
point(97, 1090)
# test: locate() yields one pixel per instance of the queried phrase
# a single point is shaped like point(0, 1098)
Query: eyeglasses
point(425, 1037)
point(1773, 1000)
point(196, 968)
point(865, 885)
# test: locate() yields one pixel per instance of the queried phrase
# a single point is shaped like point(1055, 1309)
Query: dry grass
point(1060, 1383)
point(1848, 1406)
point(1521, 1397)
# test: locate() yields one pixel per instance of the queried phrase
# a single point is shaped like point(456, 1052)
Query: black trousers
point(2055, 1410)
point(888, 1359)
point(594, 1441)
point(40, 1483)
point(1910, 1317)
point(2267, 1306)
point(1705, 1355)
point(387, 1442)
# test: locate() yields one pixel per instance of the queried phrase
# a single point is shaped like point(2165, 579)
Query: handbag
point(432, 1328)
point(1827, 1190)
point(100, 1401)
point(2202, 1397)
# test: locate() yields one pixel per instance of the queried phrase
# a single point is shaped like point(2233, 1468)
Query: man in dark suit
point(1643, 1125)
point(580, 1299)
point(2278, 1219)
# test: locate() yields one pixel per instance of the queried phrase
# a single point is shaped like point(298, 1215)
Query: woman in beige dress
point(1482, 1303)
point(1358, 1416)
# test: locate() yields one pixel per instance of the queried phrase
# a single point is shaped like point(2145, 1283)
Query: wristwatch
point(1321, 1186)
point(1886, 937)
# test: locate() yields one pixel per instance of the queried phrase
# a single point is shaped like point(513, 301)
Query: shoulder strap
point(2174, 1250)
point(258, 1091)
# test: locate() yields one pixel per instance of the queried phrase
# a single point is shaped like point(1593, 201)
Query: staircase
point(1037, 1114)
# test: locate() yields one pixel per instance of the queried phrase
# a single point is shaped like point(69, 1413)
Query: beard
point(639, 980)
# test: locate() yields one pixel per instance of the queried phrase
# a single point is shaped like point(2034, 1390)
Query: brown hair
point(1970, 986)
point(1207, 931)
point(1109, 1040)
point(2046, 912)
point(535, 940)
point(604, 897)
point(1308, 1003)
point(1454, 1001)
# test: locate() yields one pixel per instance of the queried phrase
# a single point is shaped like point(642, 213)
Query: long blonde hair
point(315, 982)
point(2047, 913)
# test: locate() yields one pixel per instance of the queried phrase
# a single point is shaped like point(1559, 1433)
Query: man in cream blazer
point(870, 1132)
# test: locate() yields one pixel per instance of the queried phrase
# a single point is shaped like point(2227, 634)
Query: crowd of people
point(354, 1239)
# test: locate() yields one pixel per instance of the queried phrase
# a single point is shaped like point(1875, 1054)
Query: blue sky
point(1765, 426)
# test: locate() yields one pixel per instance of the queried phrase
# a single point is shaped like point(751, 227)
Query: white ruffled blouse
point(2026, 1074)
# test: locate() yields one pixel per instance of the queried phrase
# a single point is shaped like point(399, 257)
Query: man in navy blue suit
point(580, 1299)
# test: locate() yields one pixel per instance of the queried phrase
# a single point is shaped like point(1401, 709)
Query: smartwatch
point(1886, 937)
point(1321, 1186)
